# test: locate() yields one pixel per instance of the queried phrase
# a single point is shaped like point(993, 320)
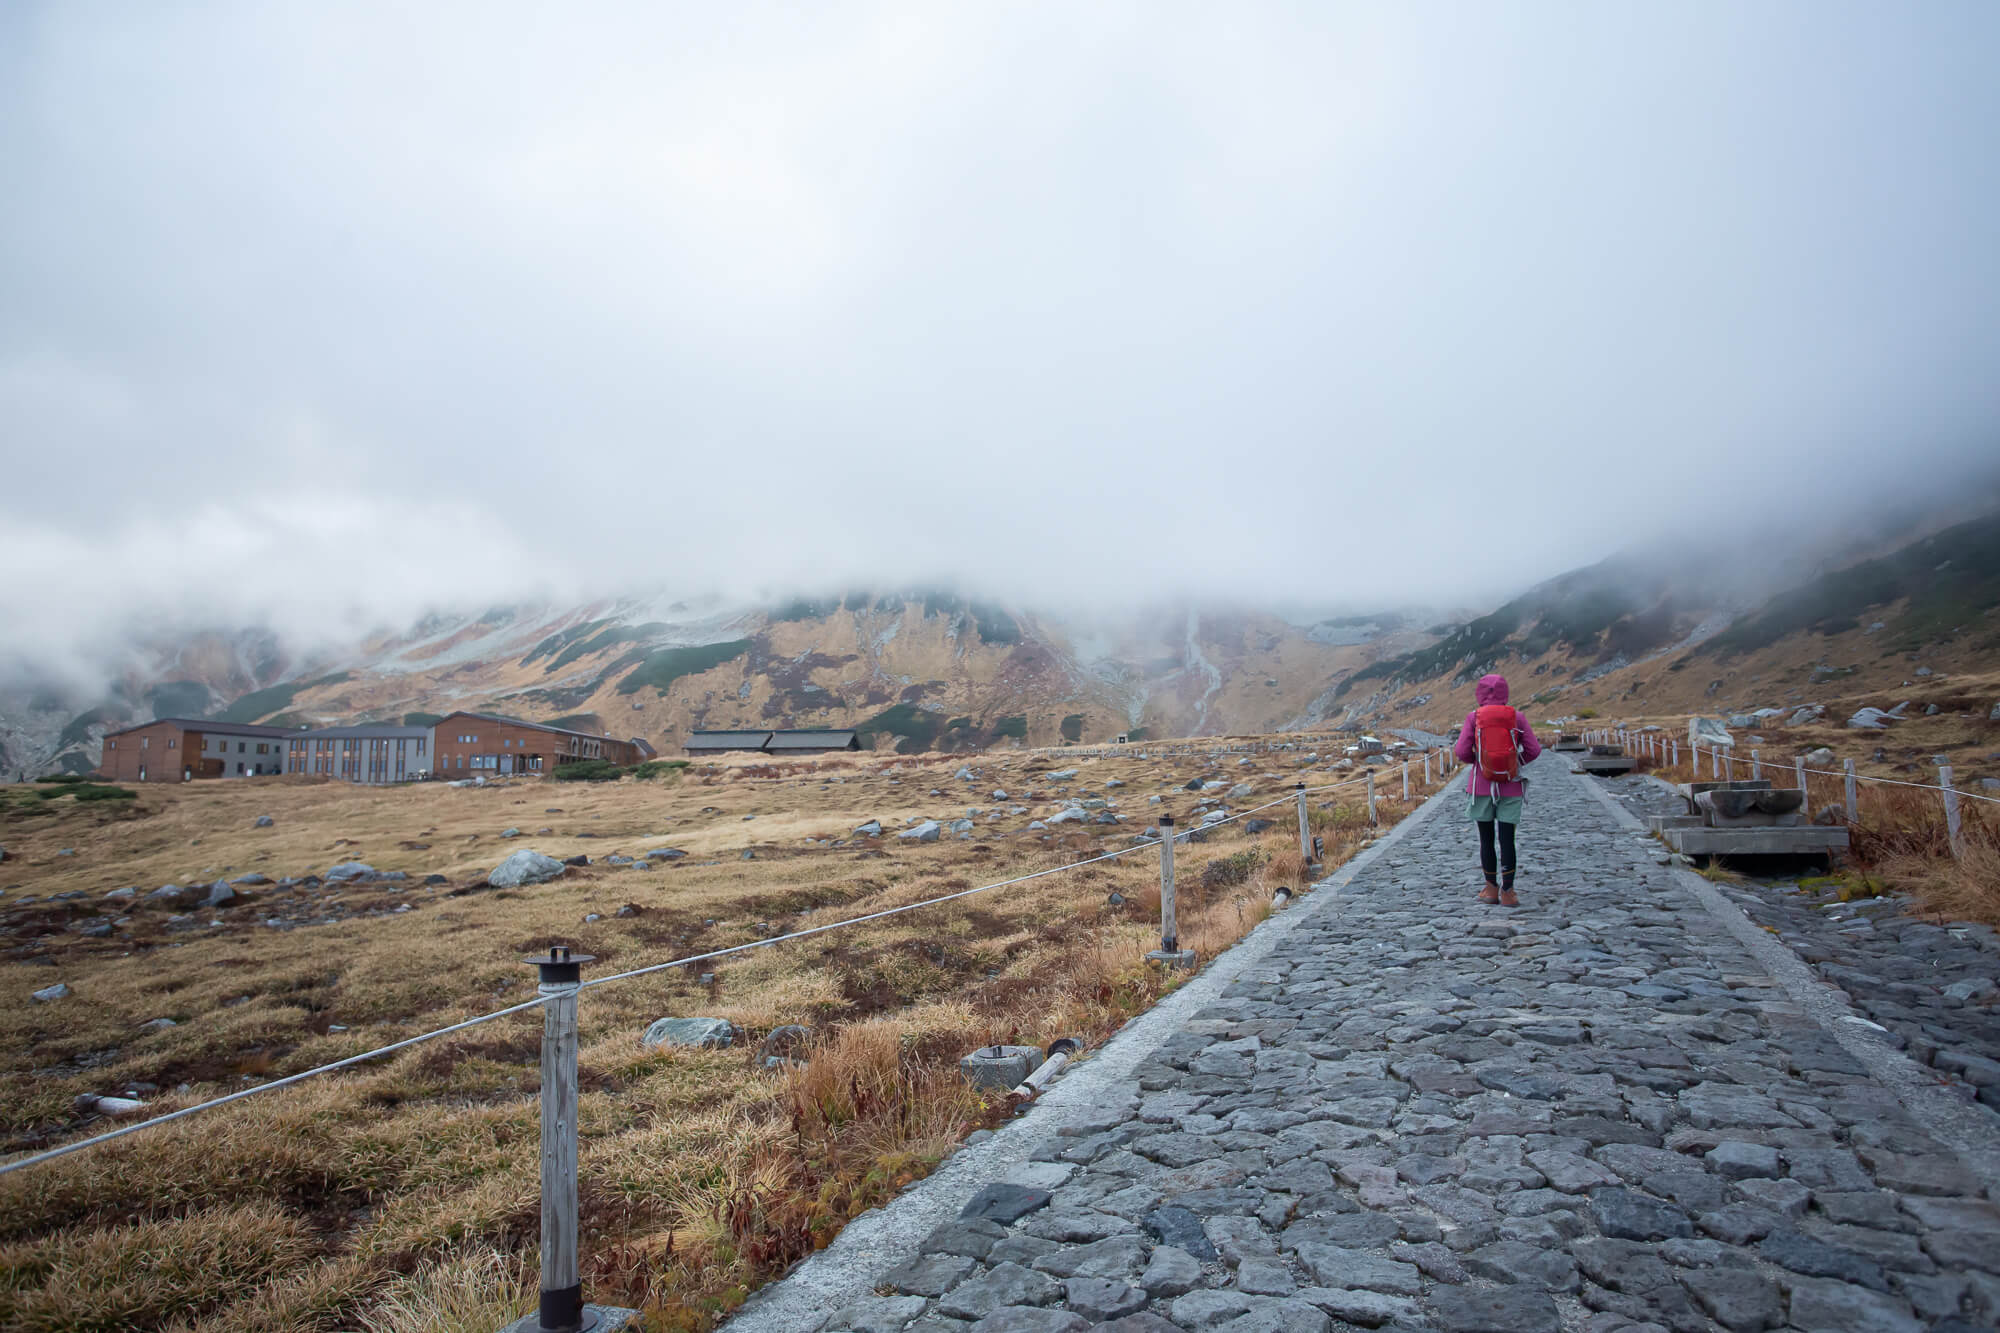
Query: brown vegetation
point(401, 1193)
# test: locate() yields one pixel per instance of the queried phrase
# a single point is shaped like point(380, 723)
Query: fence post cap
point(1166, 819)
point(559, 964)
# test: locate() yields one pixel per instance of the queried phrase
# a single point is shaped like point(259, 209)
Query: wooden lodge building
point(788, 744)
point(488, 745)
point(181, 749)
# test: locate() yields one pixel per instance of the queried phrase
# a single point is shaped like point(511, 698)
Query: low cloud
point(326, 318)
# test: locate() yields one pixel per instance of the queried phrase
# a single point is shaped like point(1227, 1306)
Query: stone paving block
point(1506, 1310)
point(1840, 1307)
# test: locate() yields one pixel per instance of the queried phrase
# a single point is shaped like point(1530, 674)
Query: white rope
point(20, 1163)
point(1782, 767)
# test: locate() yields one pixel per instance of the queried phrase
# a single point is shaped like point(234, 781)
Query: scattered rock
point(697, 1032)
point(524, 867)
point(263, 821)
point(927, 831)
point(510, 833)
point(59, 991)
point(219, 893)
point(784, 1045)
point(872, 829)
point(1870, 719)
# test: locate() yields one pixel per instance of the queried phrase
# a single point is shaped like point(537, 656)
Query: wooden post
point(1853, 795)
point(1950, 809)
point(1305, 828)
point(1371, 796)
point(1805, 799)
point(562, 1287)
point(1756, 765)
point(1676, 750)
point(1170, 941)
point(1427, 768)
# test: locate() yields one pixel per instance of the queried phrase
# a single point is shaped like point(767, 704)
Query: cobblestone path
point(1594, 1112)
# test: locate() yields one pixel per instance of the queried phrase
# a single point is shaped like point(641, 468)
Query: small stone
point(1803, 1254)
point(879, 1314)
point(59, 991)
point(1734, 1160)
point(1630, 1215)
point(1099, 1299)
point(1507, 1310)
point(1841, 1307)
point(1004, 1285)
point(262, 821)
point(1003, 1203)
point(932, 1275)
point(1171, 1271)
point(1265, 1277)
point(1739, 1299)
point(1178, 1227)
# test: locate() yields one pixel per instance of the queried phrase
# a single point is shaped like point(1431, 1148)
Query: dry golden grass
point(402, 1193)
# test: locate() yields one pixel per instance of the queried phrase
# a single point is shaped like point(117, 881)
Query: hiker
point(1496, 740)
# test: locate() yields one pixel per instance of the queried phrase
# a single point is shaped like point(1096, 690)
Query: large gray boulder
point(219, 893)
point(59, 991)
point(526, 866)
point(872, 829)
point(925, 832)
point(1808, 714)
point(1061, 775)
point(1820, 758)
point(1870, 719)
point(698, 1032)
point(1710, 734)
point(350, 872)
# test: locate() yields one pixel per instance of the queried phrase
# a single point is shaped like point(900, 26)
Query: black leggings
point(1505, 861)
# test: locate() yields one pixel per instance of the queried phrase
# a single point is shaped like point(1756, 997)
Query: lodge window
point(145, 742)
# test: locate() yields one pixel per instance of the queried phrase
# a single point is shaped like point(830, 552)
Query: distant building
point(182, 749)
point(366, 754)
point(486, 744)
point(787, 743)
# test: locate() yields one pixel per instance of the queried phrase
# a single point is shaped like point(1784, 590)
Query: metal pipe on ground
point(1061, 1051)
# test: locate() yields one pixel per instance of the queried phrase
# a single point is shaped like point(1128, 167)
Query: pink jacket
point(1493, 690)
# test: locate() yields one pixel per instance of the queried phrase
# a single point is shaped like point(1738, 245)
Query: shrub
point(65, 778)
point(654, 768)
point(90, 792)
point(1226, 872)
point(1015, 727)
point(1072, 727)
point(589, 770)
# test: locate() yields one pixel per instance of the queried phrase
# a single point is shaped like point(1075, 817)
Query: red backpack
point(1493, 741)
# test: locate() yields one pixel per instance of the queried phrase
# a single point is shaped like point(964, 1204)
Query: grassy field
point(402, 1194)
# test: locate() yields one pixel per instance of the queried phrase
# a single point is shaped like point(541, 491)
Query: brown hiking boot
point(1507, 898)
point(1490, 894)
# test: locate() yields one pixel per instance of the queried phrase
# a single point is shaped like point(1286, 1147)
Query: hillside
point(914, 671)
point(1633, 636)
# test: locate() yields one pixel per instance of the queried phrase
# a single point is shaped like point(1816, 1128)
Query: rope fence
point(1724, 763)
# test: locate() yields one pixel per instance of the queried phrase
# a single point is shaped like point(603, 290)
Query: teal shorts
point(1506, 809)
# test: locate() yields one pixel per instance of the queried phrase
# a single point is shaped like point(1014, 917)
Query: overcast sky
point(327, 306)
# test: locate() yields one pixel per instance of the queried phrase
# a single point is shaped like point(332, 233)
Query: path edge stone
point(1962, 1128)
point(879, 1239)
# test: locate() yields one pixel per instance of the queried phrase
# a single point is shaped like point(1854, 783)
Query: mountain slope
point(913, 670)
point(1640, 635)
